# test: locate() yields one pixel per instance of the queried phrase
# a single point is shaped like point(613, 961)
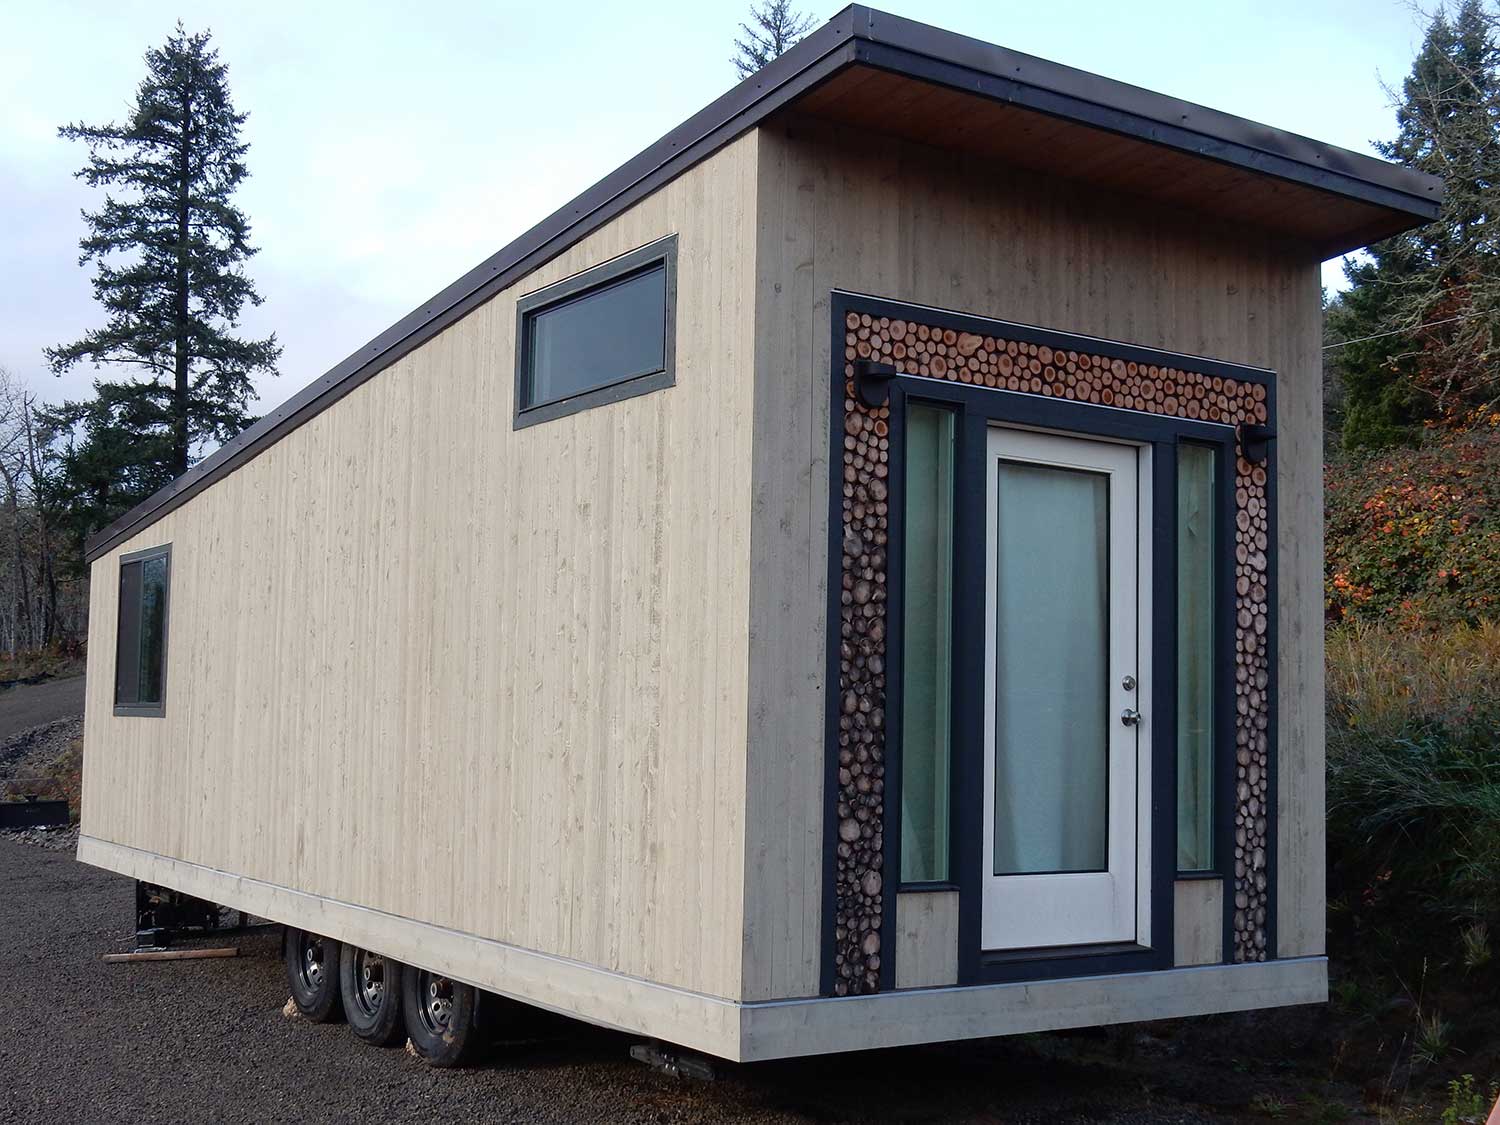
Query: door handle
point(1130, 717)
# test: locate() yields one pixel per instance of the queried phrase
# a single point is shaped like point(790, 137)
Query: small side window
point(1197, 519)
point(601, 336)
point(141, 638)
point(927, 640)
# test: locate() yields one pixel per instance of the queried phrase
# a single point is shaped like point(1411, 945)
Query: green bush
point(1466, 1105)
point(1413, 535)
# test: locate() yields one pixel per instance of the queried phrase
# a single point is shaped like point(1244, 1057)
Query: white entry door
point(1067, 812)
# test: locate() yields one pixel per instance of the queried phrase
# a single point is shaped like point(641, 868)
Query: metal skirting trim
point(742, 1032)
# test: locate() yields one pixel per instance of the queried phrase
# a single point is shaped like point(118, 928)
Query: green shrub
point(1466, 1105)
point(1413, 535)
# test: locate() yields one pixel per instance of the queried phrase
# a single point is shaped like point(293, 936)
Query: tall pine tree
point(1415, 337)
point(168, 252)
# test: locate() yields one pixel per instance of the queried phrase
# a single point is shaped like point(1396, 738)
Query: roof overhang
point(948, 90)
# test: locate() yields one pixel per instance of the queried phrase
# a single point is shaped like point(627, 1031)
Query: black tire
point(440, 1016)
point(370, 988)
point(312, 972)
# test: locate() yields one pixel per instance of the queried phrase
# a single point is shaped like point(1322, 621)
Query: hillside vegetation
point(1413, 723)
point(1413, 535)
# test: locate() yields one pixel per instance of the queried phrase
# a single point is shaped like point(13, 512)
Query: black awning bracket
point(1254, 441)
point(872, 382)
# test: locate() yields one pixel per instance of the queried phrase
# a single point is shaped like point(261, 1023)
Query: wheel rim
point(369, 982)
point(435, 994)
point(310, 961)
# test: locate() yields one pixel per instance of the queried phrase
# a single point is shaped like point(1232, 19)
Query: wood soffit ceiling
point(866, 98)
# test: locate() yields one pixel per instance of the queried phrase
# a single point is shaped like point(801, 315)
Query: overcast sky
point(395, 145)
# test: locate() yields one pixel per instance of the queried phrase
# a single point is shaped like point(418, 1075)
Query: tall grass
point(1414, 770)
point(1381, 679)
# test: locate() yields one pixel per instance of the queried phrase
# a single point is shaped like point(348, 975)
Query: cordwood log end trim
point(931, 351)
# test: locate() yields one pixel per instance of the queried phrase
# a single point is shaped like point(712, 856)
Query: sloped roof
point(874, 70)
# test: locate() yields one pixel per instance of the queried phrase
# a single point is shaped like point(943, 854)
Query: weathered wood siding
point(845, 209)
point(488, 679)
point(926, 939)
point(1198, 922)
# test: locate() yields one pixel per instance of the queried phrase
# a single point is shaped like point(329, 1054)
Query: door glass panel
point(1195, 657)
point(927, 644)
point(1051, 669)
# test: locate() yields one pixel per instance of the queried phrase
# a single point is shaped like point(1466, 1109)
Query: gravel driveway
point(30, 705)
point(207, 1041)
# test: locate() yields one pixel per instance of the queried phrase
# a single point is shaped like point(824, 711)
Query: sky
point(395, 145)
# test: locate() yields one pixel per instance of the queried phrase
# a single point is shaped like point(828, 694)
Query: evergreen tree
point(168, 254)
point(1415, 337)
point(1371, 398)
point(103, 457)
point(773, 28)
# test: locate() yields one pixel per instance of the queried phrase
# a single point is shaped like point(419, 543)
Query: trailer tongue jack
point(163, 916)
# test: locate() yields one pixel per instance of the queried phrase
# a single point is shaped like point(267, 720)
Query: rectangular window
point(141, 638)
point(927, 644)
point(1196, 522)
point(601, 336)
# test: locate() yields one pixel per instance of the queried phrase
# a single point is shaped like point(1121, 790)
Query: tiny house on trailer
point(850, 578)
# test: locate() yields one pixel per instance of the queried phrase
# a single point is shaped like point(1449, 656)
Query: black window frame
point(661, 253)
point(157, 709)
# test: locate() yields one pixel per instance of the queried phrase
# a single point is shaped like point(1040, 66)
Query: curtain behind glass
point(926, 644)
point(1052, 667)
point(1195, 657)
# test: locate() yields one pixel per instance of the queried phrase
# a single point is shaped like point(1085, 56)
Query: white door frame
point(1112, 906)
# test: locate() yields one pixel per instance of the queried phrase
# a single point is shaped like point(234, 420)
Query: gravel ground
point(207, 1040)
point(52, 839)
point(31, 752)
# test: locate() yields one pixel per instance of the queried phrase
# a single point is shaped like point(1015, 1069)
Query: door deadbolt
point(1128, 683)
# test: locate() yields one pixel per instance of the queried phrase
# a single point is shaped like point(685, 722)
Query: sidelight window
point(927, 644)
point(1196, 521)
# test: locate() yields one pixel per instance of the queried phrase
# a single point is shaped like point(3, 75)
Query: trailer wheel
point(439, 1016)
point(312, 971)
point(370, 987)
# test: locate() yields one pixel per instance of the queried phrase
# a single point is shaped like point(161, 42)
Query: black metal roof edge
point(1128, 101)
point(857, 33)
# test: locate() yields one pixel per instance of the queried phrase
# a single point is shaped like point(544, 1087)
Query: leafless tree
point(773, 28)
point(35, 608)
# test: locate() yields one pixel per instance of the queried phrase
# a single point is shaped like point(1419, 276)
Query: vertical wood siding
point(1198, 918)
point(484, 678)
point(885, 217)
point(926, 939)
